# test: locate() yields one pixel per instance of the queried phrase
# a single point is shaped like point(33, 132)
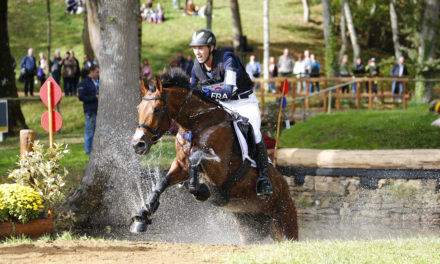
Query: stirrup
point(264, 187)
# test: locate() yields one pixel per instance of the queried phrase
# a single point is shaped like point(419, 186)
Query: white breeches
point(249, 109)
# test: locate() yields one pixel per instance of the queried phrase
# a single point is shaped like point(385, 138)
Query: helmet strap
point(209, 54)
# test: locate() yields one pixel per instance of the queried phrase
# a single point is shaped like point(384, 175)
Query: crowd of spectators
point(68, 68)
point(152, 15)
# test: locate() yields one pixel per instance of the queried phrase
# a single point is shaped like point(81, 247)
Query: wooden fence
point(364, 90)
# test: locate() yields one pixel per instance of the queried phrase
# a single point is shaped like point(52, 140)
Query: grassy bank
point(413, 250)
point(366, 129)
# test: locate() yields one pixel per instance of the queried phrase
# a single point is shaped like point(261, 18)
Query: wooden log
point(27, 138)
point(428, 159)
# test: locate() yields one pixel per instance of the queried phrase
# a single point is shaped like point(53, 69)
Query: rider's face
point(201, 52)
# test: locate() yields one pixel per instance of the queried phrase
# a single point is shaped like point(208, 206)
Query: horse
point(215, 149)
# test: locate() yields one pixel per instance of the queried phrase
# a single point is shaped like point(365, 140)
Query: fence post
point(404, 95)
point(358, 94)
point(27, 138)
point(338, 99)
point(329, 103)
point(307, 93)
point(324, 99)
point(370, 94)
point(292, 109)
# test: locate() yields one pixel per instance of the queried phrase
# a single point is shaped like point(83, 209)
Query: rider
point(225, 70)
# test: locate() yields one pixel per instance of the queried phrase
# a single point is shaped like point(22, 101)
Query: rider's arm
point(193, 81)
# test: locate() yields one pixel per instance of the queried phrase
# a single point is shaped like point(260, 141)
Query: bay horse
point(215, 149)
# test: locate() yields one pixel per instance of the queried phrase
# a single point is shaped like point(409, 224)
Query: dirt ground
point(66, 252)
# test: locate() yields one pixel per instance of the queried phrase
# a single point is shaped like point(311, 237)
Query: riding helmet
point(203, 37)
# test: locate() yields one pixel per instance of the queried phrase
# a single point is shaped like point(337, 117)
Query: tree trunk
point(266, 40)
point(88, 49)
point(428, 37)
point(306, 11)
point(93, 23)
point(330, 60)
point(103, 195)
point(343, 34)
point(237, 32)
point(395, 29)
point(209, 14)
point(7, 76)
point(49, 31)
point(352, 30)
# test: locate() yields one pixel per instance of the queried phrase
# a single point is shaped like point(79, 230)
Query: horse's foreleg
point(142, 218)
point(200, 191)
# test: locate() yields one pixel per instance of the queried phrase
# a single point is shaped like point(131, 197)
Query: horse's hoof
point(202, 194)
point(138, 227)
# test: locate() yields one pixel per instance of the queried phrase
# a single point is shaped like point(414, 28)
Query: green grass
point(399, 251)
point(366, 129)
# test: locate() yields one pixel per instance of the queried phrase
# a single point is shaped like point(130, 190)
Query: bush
point(19, 203)
point(43, 171)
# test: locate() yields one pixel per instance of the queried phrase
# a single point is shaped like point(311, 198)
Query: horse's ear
point(143, 86)
point(158, 84)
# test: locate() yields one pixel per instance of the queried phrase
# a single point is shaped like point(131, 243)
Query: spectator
point(344, 71)
point(176, 4)
point(86, 67)
point(160, 14)
point(146, 71)
point(398, 70)
point(180, 60)
point(315, 67)
point(358, 70)
point(43, 68)
point(373, 71)
point(300, 70)
point(189, 65)
point(144, 12)
point(191, 9)
point(71, 6)
point(55, 67)
point(88, 93)
point(152, 16)
point(307, 65)
point(253, 69)
point(77, 73)
point(150, 4)
point(29, 68)
point(285, 64)
point(273, 73)
point(69, 72)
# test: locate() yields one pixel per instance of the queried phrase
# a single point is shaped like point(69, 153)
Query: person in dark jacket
point(88, 93)
point(220, 75)
point(358, 70)
point(398, 70)
point(28, 65)
point(55, 66)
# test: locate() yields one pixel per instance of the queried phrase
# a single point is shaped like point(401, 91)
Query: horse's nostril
point(140, 145)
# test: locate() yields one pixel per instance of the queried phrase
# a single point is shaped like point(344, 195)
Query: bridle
point(157, 132)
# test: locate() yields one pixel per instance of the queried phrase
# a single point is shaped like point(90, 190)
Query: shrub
point(19, 203)
point(43, 171)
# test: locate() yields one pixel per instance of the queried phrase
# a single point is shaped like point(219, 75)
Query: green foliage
point(269, 124)
point(43, 171)
point(19, 203)
point(366, 129)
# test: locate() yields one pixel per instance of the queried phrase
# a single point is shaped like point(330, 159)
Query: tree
point(237, 32)
point(49, 30)
point(306, 11)
point(343, 34)
point(102, 197)
point(266, 39)
point(428, 37)
point(7, 76)
point(88, 49)
point(352, 30)
point(93, 25)
point(395, 29)
point(330, 59)
point(209, 14)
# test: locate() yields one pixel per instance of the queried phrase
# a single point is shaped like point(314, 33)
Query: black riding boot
point(193, 185)
point(264, 186)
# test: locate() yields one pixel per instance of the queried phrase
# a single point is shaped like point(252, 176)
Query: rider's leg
point(249, 109)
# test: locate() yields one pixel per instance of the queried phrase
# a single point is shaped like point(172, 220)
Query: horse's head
point(154, 120)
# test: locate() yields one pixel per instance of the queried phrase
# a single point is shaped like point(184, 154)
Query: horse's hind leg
point(253, 228)
point(284, 221)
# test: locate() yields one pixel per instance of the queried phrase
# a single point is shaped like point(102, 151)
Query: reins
point(157, 133)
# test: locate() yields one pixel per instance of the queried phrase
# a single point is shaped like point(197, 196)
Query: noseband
point(156, 132)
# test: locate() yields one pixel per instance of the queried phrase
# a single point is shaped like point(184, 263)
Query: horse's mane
point(178, 77)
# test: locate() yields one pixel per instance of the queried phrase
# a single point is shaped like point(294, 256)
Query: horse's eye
point(156, 110)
